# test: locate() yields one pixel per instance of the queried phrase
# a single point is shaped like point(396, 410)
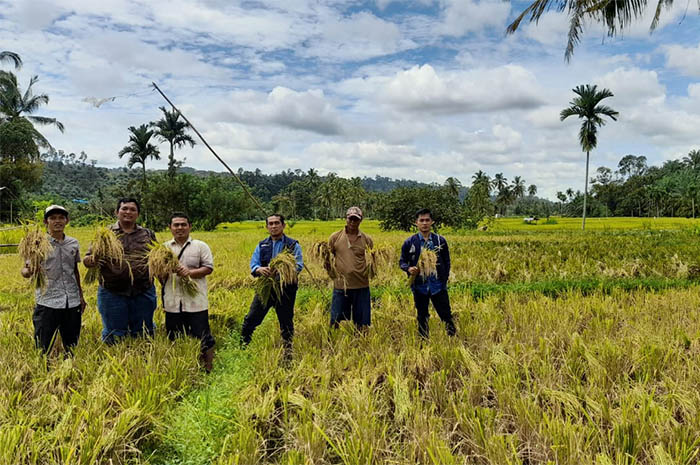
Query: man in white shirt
point(186, 314)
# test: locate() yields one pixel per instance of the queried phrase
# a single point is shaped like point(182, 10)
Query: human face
point(180, 228)
point(56, 223)
point(128, 213)
point(353, 222)
point(424, 223)
point(275, 226)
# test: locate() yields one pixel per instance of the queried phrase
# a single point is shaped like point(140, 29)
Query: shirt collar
point(174, 242)
point(53, 240)
point(116, 227)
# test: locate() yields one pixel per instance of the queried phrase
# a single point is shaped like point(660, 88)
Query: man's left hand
point(182, 271)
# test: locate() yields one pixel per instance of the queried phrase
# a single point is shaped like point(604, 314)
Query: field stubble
point(606, 377)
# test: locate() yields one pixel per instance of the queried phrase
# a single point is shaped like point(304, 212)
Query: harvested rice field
point(571, 348)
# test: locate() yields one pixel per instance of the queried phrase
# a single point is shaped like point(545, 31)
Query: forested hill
point(75, 179)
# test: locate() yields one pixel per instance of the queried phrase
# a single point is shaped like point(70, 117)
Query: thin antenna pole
point(243, 185)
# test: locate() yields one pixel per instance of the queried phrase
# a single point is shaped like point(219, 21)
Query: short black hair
point(274, 214)
point(174, 215)
point(129, 200)
point(424, 211)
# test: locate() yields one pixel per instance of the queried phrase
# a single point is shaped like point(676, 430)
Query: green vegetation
point(571, 348)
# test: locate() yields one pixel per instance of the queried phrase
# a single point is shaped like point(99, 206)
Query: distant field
point(572, 348)
point(595, 224)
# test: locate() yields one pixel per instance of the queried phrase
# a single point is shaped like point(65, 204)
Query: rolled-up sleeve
point(298, 257)
point(205, 257)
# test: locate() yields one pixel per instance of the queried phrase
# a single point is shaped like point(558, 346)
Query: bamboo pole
point(243, 185)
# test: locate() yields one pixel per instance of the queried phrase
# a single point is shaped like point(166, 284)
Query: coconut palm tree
point(453, 186)
point(692, 160)
point(499, 181)
point(481, 177)
point(12, 57)
point(171, 129)
point(518, 187)
point(586, 105)
point(532, 190)
point(15, 105)
point(615, 16)
point(140, 149)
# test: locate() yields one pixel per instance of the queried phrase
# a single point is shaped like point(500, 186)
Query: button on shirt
point(61, 284)
point(276, 249)
point(196, 255)
point(431, 285)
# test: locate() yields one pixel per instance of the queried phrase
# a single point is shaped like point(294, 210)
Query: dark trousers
point(351, 303)
point(284, 306)
point(441, 302)
point(47, 321)
point(194, 324)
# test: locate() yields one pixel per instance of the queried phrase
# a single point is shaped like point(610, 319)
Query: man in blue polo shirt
point(434, 287)
point(265, 251)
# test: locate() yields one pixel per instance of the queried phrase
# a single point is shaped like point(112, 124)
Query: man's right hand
point(26, 272)
point(89, 261)
point(264, 271)
point(413, 270)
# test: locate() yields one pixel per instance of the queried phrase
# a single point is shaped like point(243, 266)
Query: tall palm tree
point(692, 160)
point(615, 15)
point(15, 105)
point(453, 186)
point(532, 190)
point(499, 181)
point(171, 129)
point(518, 187)
point(481, 177)
point(12, 57)
point(586, 105)
point(140, 149)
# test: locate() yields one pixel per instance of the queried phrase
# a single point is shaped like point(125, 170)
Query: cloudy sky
point(422, 89)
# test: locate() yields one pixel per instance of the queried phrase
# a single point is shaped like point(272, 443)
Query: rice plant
point(105, 248)
point(162, 263)
point(284, 272)
point(34, 248)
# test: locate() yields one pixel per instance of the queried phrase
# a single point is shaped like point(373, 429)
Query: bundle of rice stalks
point(427, 265)
point(162, 262)
point(375, 258)
point(284, 271)
point(105, 247)
point(322, 251)
point(33, 249)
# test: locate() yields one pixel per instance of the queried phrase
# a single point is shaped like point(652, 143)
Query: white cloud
point(632, 87)
point(461, 17)
point(421, 89)
point(686, 59)
point(309, 110)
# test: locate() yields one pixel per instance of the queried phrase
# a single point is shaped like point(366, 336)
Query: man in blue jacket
point(434, 288)
point(265, 251)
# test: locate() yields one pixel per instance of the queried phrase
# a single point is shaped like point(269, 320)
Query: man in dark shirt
point(126, 297)
point(434, 287)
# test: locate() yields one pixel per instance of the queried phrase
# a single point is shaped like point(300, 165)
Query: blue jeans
point(122, 315)
point(351, 303)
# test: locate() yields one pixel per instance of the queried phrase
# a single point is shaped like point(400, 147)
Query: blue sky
point(422, 89)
